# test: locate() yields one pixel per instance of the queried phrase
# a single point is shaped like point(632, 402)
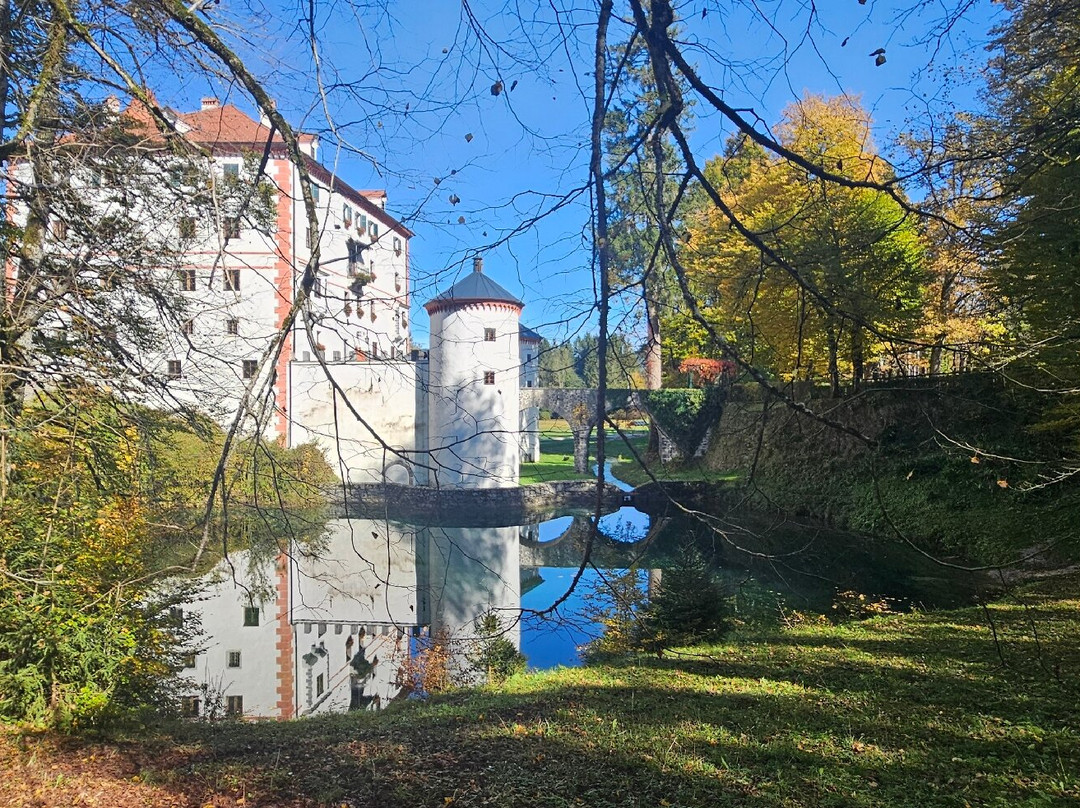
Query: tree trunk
point(834, 361)
point(856, 358)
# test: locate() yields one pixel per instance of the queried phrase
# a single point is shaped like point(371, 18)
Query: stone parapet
point(484, 507)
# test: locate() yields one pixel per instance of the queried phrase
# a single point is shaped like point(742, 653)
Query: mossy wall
point(947, 465)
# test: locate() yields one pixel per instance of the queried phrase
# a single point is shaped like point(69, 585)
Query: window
point(373, 230)
point(232, 326)
point(361, 224)
point(489, 377)
point(174, 370)
point(374, 350)
point(528, 357)
point(337, 356)
point(251, 368)
point(232, 280)
point(189, 660)
point(397, 281)
point(315, 192)
point(489, 335)
point(176, 616)
point(187, 227)
point(346, 215)
point(307, 238)
point(356, 256)
point(233, 660)
point(231, 170)
point(251, 615)
point(397, 246)
point(186, 279)
point(234, 705)
point(320, 684)
point(190, 707)
point(232, 227)
point(187, 328)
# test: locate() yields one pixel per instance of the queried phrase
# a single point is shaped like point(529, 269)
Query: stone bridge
point(568, 549)
point(579, 407)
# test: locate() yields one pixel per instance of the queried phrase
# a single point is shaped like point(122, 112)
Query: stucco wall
point(473, 428)
point(388, 396)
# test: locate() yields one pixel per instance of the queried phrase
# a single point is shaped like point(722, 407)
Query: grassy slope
point(912, 710)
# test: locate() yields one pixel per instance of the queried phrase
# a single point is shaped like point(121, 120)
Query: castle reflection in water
point(326, 629)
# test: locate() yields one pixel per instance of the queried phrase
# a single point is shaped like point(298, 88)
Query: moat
point(328, 625)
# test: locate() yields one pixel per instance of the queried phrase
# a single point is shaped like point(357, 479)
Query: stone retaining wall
point(483, 507)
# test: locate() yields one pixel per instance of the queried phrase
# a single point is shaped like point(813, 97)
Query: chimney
point(478, 264)
point(210, 103)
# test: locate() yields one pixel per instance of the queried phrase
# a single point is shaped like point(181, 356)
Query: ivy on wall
point(685, 415)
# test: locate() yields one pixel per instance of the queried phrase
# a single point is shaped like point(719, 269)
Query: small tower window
point(489, 335)
point(489, 377)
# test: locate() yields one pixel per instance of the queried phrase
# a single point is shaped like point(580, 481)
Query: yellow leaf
point(1003, 483)
point(975, 459)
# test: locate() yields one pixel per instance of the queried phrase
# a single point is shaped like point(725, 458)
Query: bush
point(688, 607)
point(493, 655)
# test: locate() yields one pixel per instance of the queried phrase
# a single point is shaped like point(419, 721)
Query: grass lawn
point(557, 452)
point(911, 710)
point(631, 472)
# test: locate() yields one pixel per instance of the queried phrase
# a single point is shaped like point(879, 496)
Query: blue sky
point(408, 89)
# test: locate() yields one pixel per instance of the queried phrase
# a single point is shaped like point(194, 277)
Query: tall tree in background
point(1034, 147)
point(641, 192)
point(840, 277)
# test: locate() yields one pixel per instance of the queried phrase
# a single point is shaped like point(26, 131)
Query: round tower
point(473, 384)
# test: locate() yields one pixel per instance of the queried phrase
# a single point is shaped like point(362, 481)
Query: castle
point(230, 229)
point(379, 410)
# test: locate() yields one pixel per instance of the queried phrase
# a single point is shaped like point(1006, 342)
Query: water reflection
point(327, 626)
point(308, 633)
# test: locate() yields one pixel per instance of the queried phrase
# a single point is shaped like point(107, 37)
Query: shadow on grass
point(905, 711)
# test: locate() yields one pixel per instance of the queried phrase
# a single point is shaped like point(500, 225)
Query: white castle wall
point(473, 426)
point(389, 396)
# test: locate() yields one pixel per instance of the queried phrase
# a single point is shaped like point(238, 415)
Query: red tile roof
point(227, 124)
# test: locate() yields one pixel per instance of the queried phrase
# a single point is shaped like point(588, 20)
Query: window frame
point(230, 279)
point(232, 657)
point(249, 369)
point(489, 377)
point(234, 705)
point(174, 369)
point(187, 280)
point(232, 326)
point(251, 616)
point(489, 335)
